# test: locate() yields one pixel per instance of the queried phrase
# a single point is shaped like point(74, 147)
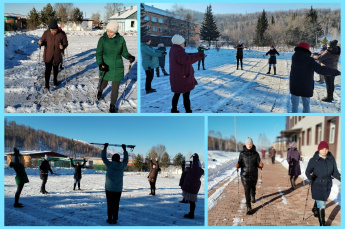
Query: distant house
point(96, 163)
point(127, 19)
point(85, 25)
point(13, 22)
point(30, 158)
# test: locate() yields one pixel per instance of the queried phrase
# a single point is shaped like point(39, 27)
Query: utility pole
point(236, 134)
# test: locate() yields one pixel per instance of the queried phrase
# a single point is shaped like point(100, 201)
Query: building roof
point(39, 153)
point(155, 10)
point(125, 13)
point(14, 15)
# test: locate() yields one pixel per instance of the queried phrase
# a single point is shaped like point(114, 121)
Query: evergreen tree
point(47, 14)
point(138, 162)
point(77, 15)
point(261, 28)
point(272, 21)
point(209, 30)
point(313, 29)
point(324, 41)
point(143, 27)
point(33, 19)
point(178, 159)
point(165, 161)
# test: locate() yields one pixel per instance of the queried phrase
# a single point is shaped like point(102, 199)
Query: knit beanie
point(303, 45)
point(322, 145)
point(332, 43)
point(177, 39)
point(53, 24)
point(272, 46)
point(113, 26)
point(249, 141)
point(146, 38)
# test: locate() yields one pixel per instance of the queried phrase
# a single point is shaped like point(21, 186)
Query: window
point(318, 134)
point(147, 18)
point(173, 31)
point(132, 24)
point(160, 20)
point(332, 132)
point(148, 27)
point(154, 29)
point(160, 30)
point(153, 19)
point(309, 136)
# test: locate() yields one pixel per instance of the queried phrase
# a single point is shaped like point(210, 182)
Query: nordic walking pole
point(262, 192)
point(124, 92)
point(238, 187)
point(117, 145)
point(306, 201)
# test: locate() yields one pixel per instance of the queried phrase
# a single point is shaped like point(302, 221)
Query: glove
point(106, 145)
point(103, 67)
point(123, 147)
point(164, 53)
point(311, 177)
point(131, 58)
point(237, 166)
point(261, 165)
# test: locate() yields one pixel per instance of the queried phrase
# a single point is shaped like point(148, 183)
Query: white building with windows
point(127, 19)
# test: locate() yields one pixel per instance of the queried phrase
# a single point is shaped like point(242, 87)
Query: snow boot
point(56, 83)
point(184, 201)
point(321, 216)
point(269, 70)
point(18, 205)
point(315, 210)
point(204, 69)
point(252, 197)
point(249, 209)
point(275, 70)
point(164, 72)
point(109, 221)
point(189, 216)
point(157, 71)
point(327, 99)
point(79, 186)
point(46, 90)
point(74, 186)
point(99, 95)
point(189, 111)
point(174, 110)
point(112, 109)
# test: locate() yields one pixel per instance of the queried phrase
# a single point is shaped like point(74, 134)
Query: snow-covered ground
point(64, 207)
point(221, 167)
point(223, 89)
point(24, 76)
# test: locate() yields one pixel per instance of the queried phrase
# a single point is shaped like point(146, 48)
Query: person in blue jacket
point(321, 169)
point(114, 181)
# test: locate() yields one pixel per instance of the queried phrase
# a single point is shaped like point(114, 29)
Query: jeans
point(295, 103)
point(320, 203)
point(270, 65)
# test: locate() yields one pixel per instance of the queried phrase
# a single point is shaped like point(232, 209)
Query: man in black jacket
point(239, 54)
point(249, 162)
point(77, 172)
point(302, 71)
point(44, 169)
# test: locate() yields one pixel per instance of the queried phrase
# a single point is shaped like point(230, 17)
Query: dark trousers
point(191, 207)
point(102, 84)
point(49, 67)
point(153, 187)
point(19, 190)
point(273, 160)
point(203, 63)
point(149, 78)
point(186, 101)
point(330, 86)
point(248, 191)
point(44, 178)
point(238, 60)
point(113, 203)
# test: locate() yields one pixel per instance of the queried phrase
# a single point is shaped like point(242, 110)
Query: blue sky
point(88, 8)
point(178, 134)
point(248, 126)
point(222, 8)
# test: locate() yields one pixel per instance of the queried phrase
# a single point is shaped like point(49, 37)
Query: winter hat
point(293, 145)
point(272, 46)
point(46, 157)
point(177, 39)
point(116, 157)
point(146, 38)
point(160, 45)
point(324, 47)
point(322, 145)
point(303, 45)
point(249, 141)
point(113, 26)
point(332, 43)
point(53, 24)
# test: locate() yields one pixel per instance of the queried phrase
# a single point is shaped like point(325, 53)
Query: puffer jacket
point(329, 58)
point(249, 163)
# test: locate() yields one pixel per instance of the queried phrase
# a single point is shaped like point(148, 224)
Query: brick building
point(163, 25)
point(308, 132)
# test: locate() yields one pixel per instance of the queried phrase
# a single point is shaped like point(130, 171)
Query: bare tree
point(63, 10)
point(112, 9)
point(96, 18)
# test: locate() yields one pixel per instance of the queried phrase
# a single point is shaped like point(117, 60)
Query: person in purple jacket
point(293, 158)
point(191, 185)
point(181, 72)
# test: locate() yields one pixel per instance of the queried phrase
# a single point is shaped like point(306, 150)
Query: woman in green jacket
point(21, 177)
point(110, 50)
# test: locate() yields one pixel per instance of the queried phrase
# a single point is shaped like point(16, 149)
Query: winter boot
point(112, 109)
point(241, 66)
point(269, 70)
point(79, 186)
point(249, 209)
point(46, 90)
point(252, 197)
point(189, 216)
point(56, 83)
point(174, 110)
point(164, 72)
point(18, 205)
point(315, 210)
point(189, 111)
point(184, 201)
point(275, 70)
point(99, 95)
point(153, 192)
point(74, 186)
point(327, 99)
point(321, 216)
point(109, 221)
point(157, 71)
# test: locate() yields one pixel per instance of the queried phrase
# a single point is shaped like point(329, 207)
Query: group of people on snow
point(189, 182)
point(111, 48)
point(321, 169)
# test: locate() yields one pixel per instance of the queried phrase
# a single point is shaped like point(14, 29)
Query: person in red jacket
point(191, 185)
point(181, 72)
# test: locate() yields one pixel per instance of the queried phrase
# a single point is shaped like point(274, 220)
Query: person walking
point(293, 158)
point(181, 72)
point(329, 58)
point(111, 48)
point(322, 50)
point(54, 41)
point(21, 177)
point(191, 185)
point(321, 169)
point(44, 169)
point(152, 178)
point(302, 76)
point(273, 155)
point(161, 60)
point(239, 54)
point(77, 172)
point(149, 61)
point(202, 49)
point(272, 60)
point(249, 162)
point(114, 182)
point(263, 153)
